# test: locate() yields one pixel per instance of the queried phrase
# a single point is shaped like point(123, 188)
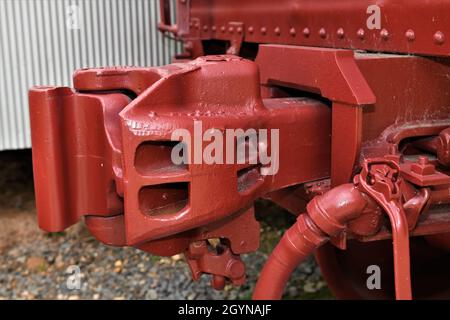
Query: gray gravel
point(38, 269)
point(34, 265)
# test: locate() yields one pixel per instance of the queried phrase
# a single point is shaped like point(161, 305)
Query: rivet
point(322, 33)
point(239, 30)
point(263, 30)
point(292, 32)
point(439, 37)
point(183, 1)
point(306, 32)
point(251, 29)
point(213, 28)
point(197, 25)
point(340, 33)
point(410, 36)
point(222, 28)
point(360, 33)
point(230, 29)
point(277, 30)
point(384, 34)
point(205, 28)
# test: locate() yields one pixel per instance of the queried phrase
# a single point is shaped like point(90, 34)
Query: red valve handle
point(374, 181)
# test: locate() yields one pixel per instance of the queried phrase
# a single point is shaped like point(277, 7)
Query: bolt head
point(306, 32)
point(322, 33)
point(410, 35)
point(439, 38)
point(360, 33)
point(384, 34)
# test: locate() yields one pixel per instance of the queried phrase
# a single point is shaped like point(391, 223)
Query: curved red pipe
point(297, 243)
point(327, 214)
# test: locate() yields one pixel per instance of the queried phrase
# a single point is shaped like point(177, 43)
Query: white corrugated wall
point(43, 41)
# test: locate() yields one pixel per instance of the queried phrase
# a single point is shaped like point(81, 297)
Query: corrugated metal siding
point(38, 48)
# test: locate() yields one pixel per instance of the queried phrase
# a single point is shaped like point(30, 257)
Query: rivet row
point(438, 37)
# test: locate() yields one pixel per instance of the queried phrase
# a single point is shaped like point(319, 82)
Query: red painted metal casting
point(112, 159)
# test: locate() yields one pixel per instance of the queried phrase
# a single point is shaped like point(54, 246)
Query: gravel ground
point(36, 265)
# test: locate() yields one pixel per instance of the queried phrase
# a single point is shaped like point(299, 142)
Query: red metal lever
point(380, 179)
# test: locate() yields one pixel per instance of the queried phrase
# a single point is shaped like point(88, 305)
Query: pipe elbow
point(297, 244)
point(332, 211)
point(328, 214)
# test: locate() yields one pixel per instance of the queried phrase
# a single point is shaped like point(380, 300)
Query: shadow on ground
point(38, 265)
